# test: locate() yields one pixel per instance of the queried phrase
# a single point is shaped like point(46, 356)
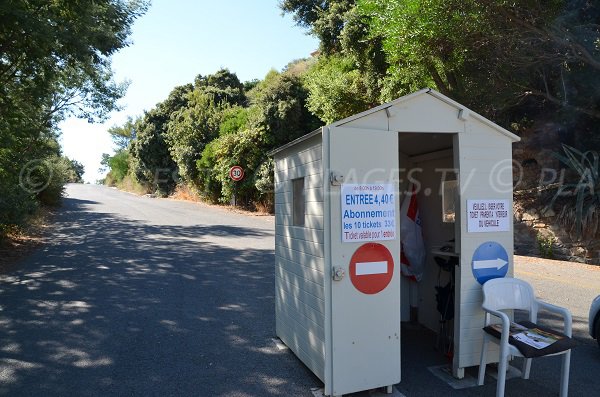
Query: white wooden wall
point(485, 159)
point(299, 255)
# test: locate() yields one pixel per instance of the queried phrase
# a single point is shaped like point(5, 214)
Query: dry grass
point(264, 209)
point(186, 193)
point(19, 243)
point(129, 184)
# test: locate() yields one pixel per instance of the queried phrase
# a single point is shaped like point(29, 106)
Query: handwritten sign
point(488, 216)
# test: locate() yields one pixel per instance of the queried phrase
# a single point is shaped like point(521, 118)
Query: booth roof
point(464, 113)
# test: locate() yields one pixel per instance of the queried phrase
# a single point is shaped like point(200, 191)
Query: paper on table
point(537, 338)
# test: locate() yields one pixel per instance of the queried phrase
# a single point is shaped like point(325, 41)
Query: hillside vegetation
point(54, 63)
point(531, 66)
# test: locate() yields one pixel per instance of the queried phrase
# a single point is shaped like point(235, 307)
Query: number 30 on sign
point(236, 173)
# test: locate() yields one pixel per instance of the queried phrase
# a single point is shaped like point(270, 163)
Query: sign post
point(236, 173)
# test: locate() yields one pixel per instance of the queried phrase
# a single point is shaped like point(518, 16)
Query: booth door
point(365, 254)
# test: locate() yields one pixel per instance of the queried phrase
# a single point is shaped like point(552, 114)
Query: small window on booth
point(298, 201)
point(449, 194)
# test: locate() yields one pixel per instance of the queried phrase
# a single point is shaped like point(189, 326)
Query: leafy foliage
point(337, 89)
point(583, 214)
point(118, 164)
point(54, 62)
point(151, 161)
point(123, 135)
point(278, 107)
point(190, 129)
point(277, 114)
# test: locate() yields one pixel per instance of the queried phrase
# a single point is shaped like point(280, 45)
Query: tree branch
point(557, 101)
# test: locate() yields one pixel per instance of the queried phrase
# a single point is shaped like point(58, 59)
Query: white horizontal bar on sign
point(365, 268)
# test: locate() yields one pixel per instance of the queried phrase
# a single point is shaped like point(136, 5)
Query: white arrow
point(489, 264)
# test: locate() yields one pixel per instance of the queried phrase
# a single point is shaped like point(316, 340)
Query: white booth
point(340, 295)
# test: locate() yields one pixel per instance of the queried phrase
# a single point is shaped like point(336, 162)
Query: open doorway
point(428, 164)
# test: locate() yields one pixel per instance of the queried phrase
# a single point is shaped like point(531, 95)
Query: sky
point(174, 42)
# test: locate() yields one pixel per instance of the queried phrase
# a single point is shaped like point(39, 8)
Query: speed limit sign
point(236, 173)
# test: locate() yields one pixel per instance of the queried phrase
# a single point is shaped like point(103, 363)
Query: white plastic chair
point(511, 293)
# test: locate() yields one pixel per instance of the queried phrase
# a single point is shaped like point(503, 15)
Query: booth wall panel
point(310, 182)
point(305, 345)
point(308, 247)
point(302, 170)
point(299, 233)
point(302, 157)
point(415, 115)
point(311, 282)
point(311, 221)
point(486, 173)
point(374, 121)
point(299, 251)
point(312, 208)
point(312, 302)
point(300, 258)
point(314, 194)
point(304, 305)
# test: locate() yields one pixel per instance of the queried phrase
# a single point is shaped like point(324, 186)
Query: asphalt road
point(135, 296)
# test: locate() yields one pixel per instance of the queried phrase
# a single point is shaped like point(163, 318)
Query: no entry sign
point(371, 268)
point(236, 173)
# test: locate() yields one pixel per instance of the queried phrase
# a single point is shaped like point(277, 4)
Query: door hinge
point(338, 273)
point(336, 179)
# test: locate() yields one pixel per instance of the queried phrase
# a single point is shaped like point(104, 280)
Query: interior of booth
point(427, 161)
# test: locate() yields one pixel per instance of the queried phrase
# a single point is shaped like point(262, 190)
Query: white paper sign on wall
point(368, 212)
point(488, 216)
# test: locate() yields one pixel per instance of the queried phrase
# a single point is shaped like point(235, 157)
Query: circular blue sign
point(490, 260)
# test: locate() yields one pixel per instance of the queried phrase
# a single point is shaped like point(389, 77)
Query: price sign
point(368, 212)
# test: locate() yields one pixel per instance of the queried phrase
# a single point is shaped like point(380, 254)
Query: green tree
point(123, 135)
point(539, 56)
point(245, 149)
point(222, 87)
point(57, 54)
point(324, 18)
point(193, 126)
point(152, 163)
point(336, 88)
point(75, 171)
point(54, 61)
point(349, 50)
point(278, 106)
point(277, 115)
point(189, 130)
point(118, 166)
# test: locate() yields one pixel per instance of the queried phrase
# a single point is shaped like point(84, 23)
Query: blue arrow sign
point(490, 260)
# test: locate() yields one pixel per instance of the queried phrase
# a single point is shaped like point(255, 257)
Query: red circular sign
point(236, 173)
point(371, 268)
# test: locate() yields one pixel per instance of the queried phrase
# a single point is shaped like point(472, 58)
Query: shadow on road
point(117, 306)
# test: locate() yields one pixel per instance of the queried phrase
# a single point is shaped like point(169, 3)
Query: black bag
point(445, 301)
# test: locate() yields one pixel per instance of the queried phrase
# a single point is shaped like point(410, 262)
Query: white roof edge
point(295, 141)
point(473, 114)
